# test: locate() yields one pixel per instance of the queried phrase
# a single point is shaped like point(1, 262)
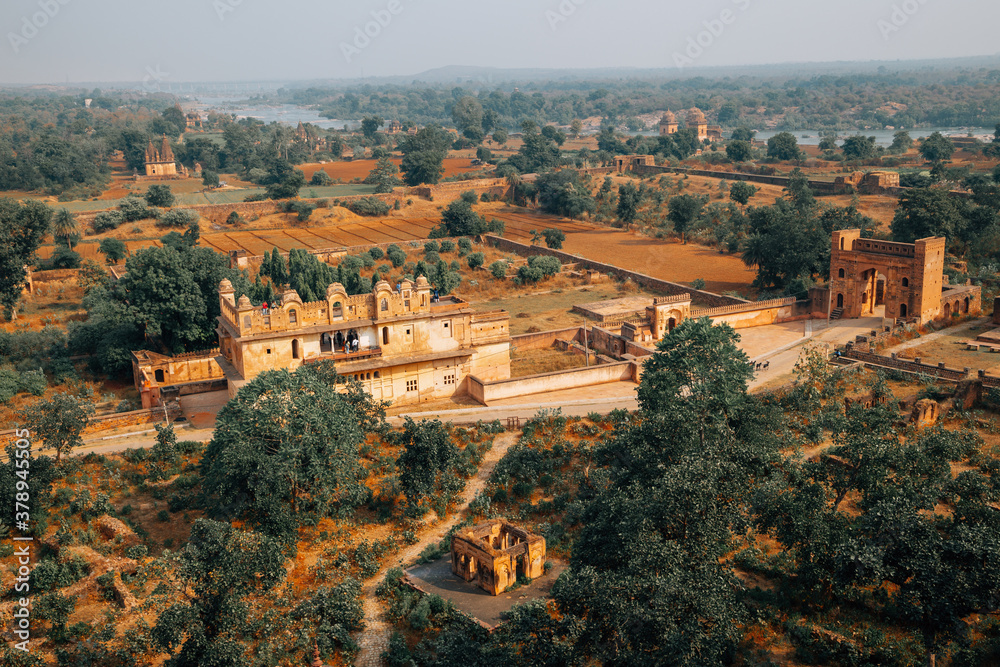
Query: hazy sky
point(54, 41)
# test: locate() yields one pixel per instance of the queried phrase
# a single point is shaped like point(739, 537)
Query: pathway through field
point(374, 639)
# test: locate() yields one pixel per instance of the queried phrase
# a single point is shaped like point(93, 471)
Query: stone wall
point(709, 298)
point(940, 371)
point(104, 423)
point(576, 378)
point(820, 187)
point(545, 339)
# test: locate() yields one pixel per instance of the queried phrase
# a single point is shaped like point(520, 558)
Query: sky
point(76, 41)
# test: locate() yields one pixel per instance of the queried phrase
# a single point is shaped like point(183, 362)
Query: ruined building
point(494, 554)
point(695, 120)
point(160, 163)
point(869, 277)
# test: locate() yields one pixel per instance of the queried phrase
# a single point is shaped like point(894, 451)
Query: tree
point(114, 250)
point(828, 142)
point(22, 228)
point(739, 151)
point(575, 128)
point(467, 113)
point(285, 451)
point(65, 229)
point(459, 219)
point(498, 269)
point(901, 143)
point(683, 210)
point(423, 155)
point(428, 465)
point(320, 178)
point(742, 192)
point(500, 136)
point(370, 126)
point(629, 201)
point(209, 179)
point(937, 148)
point(927, 212)
point(783, 146)
point(744, 134)
point(384, 176)
point(565, 193)
point(160, 195)
point(283, 181)
point(218, 567)
point(554, 238)
point(59, 421)
point(860, 147)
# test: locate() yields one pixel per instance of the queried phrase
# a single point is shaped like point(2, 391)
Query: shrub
point(235, 219)
point(432, 257)
point(320, 178)
point(368, 206)
point(163, 515)
point(376, 253)
point(64, 258)
point(34, 382)
point(447, 246)
point(499, 269)
point(396, 255)
point(464, 245)
point(554, 238)
point(432, 246)
point(137, 552)
point(302, 208)
point(177, 218)
point(160, 195)
point(107, 220)
point(135, 208)
point(698, 283)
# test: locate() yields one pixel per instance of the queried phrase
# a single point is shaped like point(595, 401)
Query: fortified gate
point(868, 275)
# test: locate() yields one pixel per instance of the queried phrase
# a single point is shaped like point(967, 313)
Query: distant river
point(289, 114)
point(883, 137)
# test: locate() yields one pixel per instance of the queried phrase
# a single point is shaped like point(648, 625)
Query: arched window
point(840, 273)
point(906, 282)
point(293, 317)
point(902, 310)
point(295, 349)
point(841, 243)
point(385, 335)
point(385, 305)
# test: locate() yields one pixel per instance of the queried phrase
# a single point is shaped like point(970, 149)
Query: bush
point(135, 208)
point(160, 195)
point(137, 552)
point(320, 178)
point(302, 208)
point(499, 269)
point(396, 255)
point(34, 382)
point(64, 258)
point(369, 206)
point(114, 250)
point(235, 219)
point(177, 218)
point(376, 253)
point(432, 246)
point(432, 257)
point(447, 246)
point(475, 260)
point(163, 515)
point(107, 220)
point(554, 238)
point(464, 245)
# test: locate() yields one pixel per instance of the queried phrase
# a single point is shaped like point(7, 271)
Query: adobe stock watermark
point(31, 25)
point(562, 13)
point(900, 16)
point(714, 29)
point(151, 82)
point(223, 7)
point(22, 548)
point(371, 30)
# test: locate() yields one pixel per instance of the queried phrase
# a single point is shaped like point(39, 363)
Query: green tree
point(683, 210)
point(459, 219)
point(370, 126)
point(937, 148)
point(901, 143)
point(218, 569)
point(744, 134)
point(739, 151)
point(209, 179)
point(22, 228)
point(320, 178)
point(554, 238)
point(114, 250)
point(575, 128)
point(927, 212)
point(467, 113)
point(283, 180)
point(160, 195)
point(629, 201)
point(428, 465)
point(565, 193)
point(59, 421)
point(423, 155)
point(742, 192)
point(65, 229)
point(783, 146)
point(286, 450)
point(860, 147)
point(384, 176)
point(500, 136)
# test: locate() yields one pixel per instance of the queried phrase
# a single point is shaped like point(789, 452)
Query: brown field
point(536, 362)
point(347, 171)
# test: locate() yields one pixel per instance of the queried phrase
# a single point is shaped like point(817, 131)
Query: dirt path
point(374, 639)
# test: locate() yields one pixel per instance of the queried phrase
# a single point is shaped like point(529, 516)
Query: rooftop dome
point(245, 302)
point(695, 116)
point(668, 118)
point(225, 286)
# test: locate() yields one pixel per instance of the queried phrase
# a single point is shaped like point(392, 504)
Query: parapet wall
point(710, 298)
point(484, 392)
point(545, 339)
